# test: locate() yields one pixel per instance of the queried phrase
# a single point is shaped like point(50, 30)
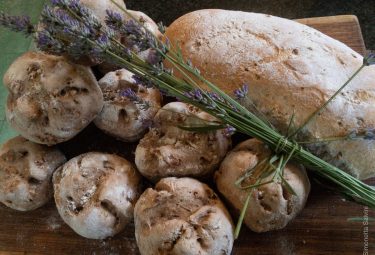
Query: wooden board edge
point(343, 20)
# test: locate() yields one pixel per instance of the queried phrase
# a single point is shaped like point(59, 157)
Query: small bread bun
point(167, 150)
point(182, 216)
point(50, 99)
point(95, 194)
point(26, 170)
point(121, 117)
point(271, 206)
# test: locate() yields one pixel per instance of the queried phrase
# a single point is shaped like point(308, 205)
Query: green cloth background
point(13, 45)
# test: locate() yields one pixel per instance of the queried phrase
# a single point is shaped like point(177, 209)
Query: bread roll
point(272, 206)
point(167, 150)
point(26, 170)
point(95, 194)
point(182, 216)
point(50, 99)
point(120, 117)
point(289, 67)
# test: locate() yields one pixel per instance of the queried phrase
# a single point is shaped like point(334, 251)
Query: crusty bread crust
point(290, 68)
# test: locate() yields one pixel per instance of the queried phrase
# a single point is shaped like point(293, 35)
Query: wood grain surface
point(322, 227)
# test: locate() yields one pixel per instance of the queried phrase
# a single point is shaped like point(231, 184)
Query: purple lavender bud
point(229, 131)
point(129, 93)
point(369, 59)
point(59, 2)
point(17, 23)
point(198, 94)
point(153, 57)
point(103, 42)
point(242, 92)
point(132, 96)
point(114, 20)
point(46, 42)
point(79, 10)
point(214, 96)
point(161, 27)
point(141, 81)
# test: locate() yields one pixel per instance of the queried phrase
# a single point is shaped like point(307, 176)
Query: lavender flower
point(133, 34)
point(369, 59)
point(76, 36)
point(241, 92)
point(205, 98)
point(114, 20)
point(195, 94)
point(216, 97)
point(141, 81)
point(17, 23)
point(79, 11)
point(161, 27)
point(229, 131)
point(132, 96)
point(153, 57)
point(47, 43)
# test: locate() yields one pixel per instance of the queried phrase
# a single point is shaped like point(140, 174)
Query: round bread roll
point(95, 194)
point(50, 99)
point(26, 170)
point(271, 206)
point(121, 117)
point(182, 216)
point(167, 150)
point(291, 69)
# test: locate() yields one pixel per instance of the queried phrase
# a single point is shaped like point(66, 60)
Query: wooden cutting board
point(322, 227)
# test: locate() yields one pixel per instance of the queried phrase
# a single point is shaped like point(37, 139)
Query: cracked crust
point(291, 69)
point(271, 206)
point(26, 171)
point(120, 117)
point(50, 99)
point(95, 194)
point(167, 150)
point(182, 216)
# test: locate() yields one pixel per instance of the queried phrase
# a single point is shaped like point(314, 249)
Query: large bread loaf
point(289, 68)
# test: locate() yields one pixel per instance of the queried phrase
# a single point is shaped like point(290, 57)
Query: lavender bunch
point(17, 23)
point(241, 93)
point(76, 21)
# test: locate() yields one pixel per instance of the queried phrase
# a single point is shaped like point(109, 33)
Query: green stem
point(242, 216)
point(309, 119)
